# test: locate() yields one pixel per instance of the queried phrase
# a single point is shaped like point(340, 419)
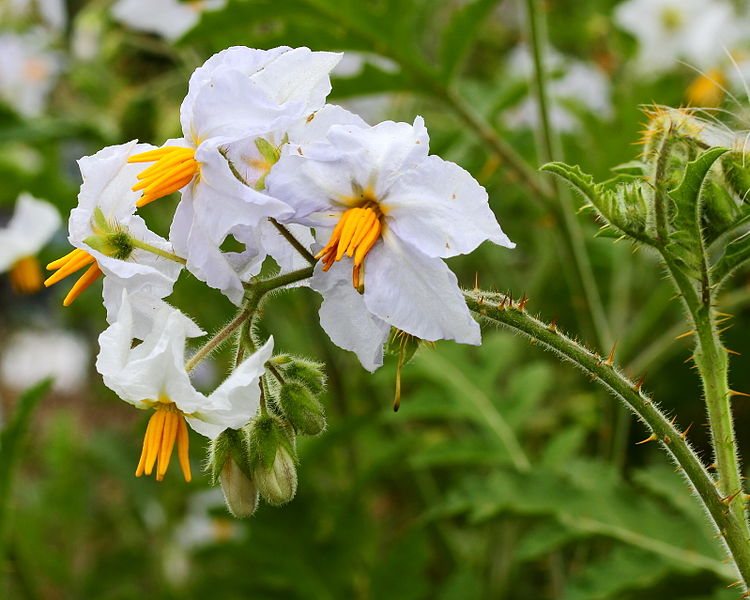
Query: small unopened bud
point(240, 492)
point(272, 458)
point(303, 410)
point(308, 372)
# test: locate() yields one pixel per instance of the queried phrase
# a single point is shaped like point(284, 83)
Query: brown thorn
point(727, 350)
point(672, 420)
point(721, 314)
point(522, 303)
point(639, 383)
point(650, 438)
point(711, 466)
point(476, 281)
point(688, 359)
point(667, 439)
point(553, 325)
point(684, 335)
point(683, 435)
point(725, 329)
point(738, 582)
point(728, 499)
point(611, 357)
point(735, 393)
point(501, 306)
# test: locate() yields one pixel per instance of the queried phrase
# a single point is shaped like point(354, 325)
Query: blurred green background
point(505, 474)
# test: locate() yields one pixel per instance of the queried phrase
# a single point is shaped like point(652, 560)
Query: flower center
point(671, 18)
point(69, 264)
point(174, 167)
point(165, 427)
point(706, 90)
point(25, 275)
point(354, 235)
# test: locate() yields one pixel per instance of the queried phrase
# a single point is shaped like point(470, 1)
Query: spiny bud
point(272, 459)
point(240, 492)
point(303, 410)
point(308, 372)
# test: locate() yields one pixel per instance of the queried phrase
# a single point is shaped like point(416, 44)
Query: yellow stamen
point(354, 235)
point(707, 90)
point(26, 276)
point(174, 167)
point(69, 264)
point(165, 427)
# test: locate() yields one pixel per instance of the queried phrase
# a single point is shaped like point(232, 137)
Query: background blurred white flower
point(168, 18)
point(51, 13)
point(28, 71)
point(573, 86)
point(32, 354)
point(667, 31)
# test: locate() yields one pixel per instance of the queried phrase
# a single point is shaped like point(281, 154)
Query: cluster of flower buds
point(362, 214)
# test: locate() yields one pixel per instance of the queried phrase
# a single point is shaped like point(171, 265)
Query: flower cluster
point(363, 214)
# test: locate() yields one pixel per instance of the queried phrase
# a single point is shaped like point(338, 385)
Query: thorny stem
point(158, 251)
point(496, 309)
point(253, 297)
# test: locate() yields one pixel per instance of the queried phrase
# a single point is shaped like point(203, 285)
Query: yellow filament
point(69, 264)
point(706, 90)
point(26, 276)
point(165, 428)
point(354, 236)
point(174, 167)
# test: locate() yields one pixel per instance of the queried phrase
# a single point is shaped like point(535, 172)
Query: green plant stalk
point(496, 308)
point(158, 251)
point(11, 439)
point(551, 152)
point(296, 244)
point(257, 290)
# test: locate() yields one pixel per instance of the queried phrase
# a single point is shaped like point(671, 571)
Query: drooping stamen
point(354, 236)
point(69, 264)
point(165, 427)
point(174, 167)
point(26, 276)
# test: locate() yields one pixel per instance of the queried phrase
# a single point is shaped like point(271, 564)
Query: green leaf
point(11, 439)
point(686, 240)
point(735, 255)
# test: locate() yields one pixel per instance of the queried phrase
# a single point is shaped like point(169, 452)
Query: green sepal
point(228, 445)
point(307, 371)
point(268, 151)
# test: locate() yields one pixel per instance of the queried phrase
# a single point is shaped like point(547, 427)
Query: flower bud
point(109, 239)
point(240, 492)
point(272, 460)
point(303, 410)
point(308, 372)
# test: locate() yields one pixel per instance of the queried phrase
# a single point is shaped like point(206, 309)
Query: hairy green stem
point(296, 244)
point(496, 308)
point(254, 295)
point(158, 251)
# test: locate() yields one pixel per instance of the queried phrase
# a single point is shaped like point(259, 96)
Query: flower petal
point(416, 293)
point(441, 209)
point(346, 319)
point(32, 225)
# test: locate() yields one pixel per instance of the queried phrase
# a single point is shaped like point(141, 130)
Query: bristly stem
point(256, 291)
point(498, 309)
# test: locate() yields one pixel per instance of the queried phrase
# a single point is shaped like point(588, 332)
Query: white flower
point(28, 71)
point(152, 376)
point(697, 31)
point(105, 216)
point(32, 225)
point(572, 86)
point(31, 355)
point(168, 18)
point(397, 213)
point(238, 96)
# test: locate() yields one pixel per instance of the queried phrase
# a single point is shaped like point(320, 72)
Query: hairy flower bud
point(240, 492)
point(303, 410)
point(272, 459)
point(308, 372)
